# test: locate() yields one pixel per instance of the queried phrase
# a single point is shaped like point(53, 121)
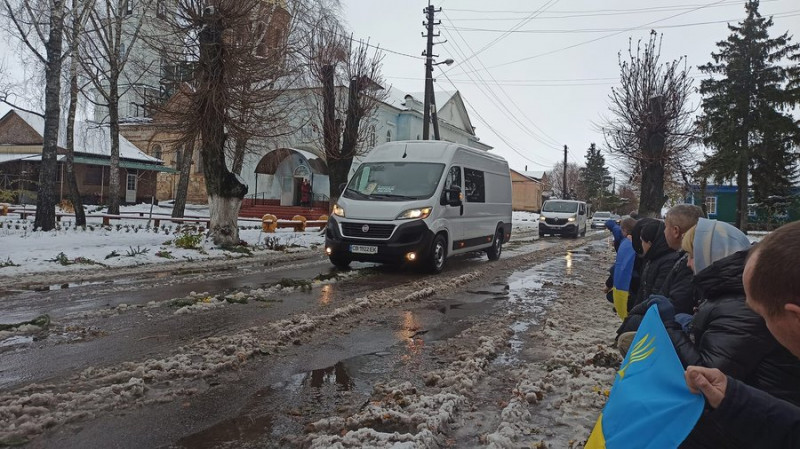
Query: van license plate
point(362, 249)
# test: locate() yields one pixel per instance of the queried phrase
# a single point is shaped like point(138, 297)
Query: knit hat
point(714, 240)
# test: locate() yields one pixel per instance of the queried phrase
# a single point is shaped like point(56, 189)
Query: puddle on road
point(241, 429)
point(525, 291)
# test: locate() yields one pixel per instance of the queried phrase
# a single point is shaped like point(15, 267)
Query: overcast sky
point(546, 84)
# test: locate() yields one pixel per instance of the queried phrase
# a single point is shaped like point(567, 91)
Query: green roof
point(123, 163)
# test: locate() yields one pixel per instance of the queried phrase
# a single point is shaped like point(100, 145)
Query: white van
point(565, 217)
point(420, 202)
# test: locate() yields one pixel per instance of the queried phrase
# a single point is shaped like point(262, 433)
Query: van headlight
point(541, 218)
point(420, 213)
point(338, 210)
point(571, 219)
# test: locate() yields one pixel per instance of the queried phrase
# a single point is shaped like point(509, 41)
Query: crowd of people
point(732, 311)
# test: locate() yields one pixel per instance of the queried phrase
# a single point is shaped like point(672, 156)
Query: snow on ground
point(127, 242)
point(135, 242)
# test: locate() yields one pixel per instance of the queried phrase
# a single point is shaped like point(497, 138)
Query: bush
point(188, 240)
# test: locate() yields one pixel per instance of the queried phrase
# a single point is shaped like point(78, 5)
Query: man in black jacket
point(772, 285)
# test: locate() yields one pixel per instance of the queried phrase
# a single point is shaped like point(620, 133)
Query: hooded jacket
point(660, 264)
point(730, 336)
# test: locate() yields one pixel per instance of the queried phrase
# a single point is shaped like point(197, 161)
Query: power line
point(494, 131)
point(598, 38)
point(792, 13)
point(525, 21)
point(499, 103)
point(607, 10)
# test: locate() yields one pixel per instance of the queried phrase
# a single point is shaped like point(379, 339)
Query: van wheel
point(340, 262)
point(496, 249)
point(438, 254)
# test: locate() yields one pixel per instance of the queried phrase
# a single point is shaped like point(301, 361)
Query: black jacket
point(728, 335)
point(747, 418)
point(657, 266)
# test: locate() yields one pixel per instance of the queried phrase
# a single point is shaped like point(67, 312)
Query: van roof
point(423, 150)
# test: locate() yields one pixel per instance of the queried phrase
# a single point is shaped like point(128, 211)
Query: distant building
point(526, 192)
point(21, 154)
point(720, 202)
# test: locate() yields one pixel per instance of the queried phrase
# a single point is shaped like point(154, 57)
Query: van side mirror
point(452, 196)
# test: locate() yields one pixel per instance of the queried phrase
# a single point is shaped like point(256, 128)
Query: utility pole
point(430, 11)
point(564, 185)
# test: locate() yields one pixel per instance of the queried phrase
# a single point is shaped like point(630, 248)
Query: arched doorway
point(285, 169)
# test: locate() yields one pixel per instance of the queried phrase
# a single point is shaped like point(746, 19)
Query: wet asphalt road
point(332, 372)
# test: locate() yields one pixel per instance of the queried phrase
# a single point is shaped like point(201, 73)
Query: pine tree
point(745, 120)
point(594, 176)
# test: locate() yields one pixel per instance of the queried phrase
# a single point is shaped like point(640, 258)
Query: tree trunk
point(46, 195)
point(652, 187)
point(225, 191)
point(330, 132)
point(742, 190)
point(113, 118)
point(69, 161)
point(179, 208)
point(238, 155)
point(341, 167)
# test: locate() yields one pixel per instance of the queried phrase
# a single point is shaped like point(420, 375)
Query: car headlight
point(419, 213)
point(338, 210)
point(542, 218)
point(571, 219)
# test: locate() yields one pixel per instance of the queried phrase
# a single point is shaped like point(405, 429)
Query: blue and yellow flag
point(623, 273)
point(650, 405)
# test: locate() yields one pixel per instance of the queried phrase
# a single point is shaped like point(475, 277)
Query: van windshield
point(601, 214)
point(394, 181)
point(560, 206)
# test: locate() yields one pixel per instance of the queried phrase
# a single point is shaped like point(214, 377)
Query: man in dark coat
point(664, 274)
point(746, 414)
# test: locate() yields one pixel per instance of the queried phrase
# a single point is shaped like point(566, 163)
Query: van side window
point(582, 210)
point(453, 178)
point(474, 186)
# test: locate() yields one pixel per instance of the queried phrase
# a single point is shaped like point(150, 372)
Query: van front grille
point(367, 230)
point(556, 221)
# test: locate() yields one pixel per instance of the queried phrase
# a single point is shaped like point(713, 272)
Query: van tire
point(438, 254)
point(340, 262)
point(494, 251)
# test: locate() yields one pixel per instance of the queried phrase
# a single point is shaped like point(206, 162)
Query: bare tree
point(556, 180)
point(75, 34)
point(112, 33)
point(651, 127)
point(40, 27)
point(241, 53)
point(340, 65)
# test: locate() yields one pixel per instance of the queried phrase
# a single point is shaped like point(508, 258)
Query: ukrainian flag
point(650, 405)
point(623, 273)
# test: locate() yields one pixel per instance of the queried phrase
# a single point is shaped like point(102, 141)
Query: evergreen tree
point(745, 120)
point(594, 176)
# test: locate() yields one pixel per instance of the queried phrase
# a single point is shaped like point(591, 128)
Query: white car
point(599, 219)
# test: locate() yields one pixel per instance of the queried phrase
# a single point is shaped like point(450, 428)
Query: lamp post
point(430, 100)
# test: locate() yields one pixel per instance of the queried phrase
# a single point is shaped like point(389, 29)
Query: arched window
point(156, 151)
point(389, 135)
point(371, 137)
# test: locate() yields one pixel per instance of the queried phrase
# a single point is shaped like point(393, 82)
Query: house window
point(371, 137)
point(131, 184)
point(474, 186)
point(178, 162)
point(751, 210)
point(156, 152)
point(711, 205)
point(389, 135)
point(129, 7)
